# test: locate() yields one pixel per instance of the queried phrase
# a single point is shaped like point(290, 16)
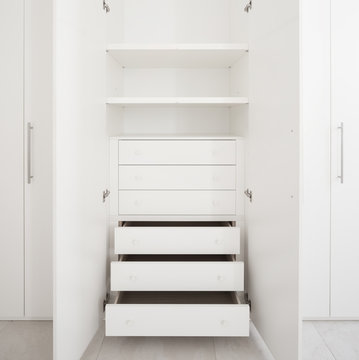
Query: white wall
point(80, 175)
point(315, 263)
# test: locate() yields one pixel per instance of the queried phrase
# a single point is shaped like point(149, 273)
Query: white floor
point(322, 340)
point(25, 340)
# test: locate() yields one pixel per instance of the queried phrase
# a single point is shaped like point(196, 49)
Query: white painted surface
point(176, 276)
point(273, 161)
point(345, 196)
point(166, 202)
point(177, 320)
point(177, 177)
point(186, 152)
point(179, 101)
point(12, 159)
point(80, 175)
point(177, 55)
point(38, 194)
point(315, 211)
point(177, 240)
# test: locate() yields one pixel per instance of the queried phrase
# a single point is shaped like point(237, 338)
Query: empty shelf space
point(177, 55)
point(177, 101)
point(177, 297)
point(176, 257)
point(176, 224)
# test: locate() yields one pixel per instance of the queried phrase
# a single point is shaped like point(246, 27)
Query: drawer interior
point(159, 258)
point(177, 223)
point(177, 297)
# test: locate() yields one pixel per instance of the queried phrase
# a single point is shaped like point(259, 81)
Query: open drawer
point(177, 314)
point(177, 273)
point(177, 238)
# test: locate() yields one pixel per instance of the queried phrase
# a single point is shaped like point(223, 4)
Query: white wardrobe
point(26, 160)
point(330, 191)
point(176, 76)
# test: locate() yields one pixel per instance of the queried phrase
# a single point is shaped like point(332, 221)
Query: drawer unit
point(146, 239)
point(181, 273)
point(132, 202)
point(177, 314)
point(173, 152)
point(170, 177)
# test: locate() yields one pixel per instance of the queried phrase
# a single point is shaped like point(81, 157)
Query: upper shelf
point(177, 101)
point(177, 55)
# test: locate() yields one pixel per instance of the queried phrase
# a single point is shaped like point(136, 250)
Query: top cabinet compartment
point(185, 152)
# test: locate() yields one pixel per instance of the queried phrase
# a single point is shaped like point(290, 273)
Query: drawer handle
point(136, 203)
point(224, 322)
point(215, 203)
point(129, 322)
point(137, 152)
point(134, 242)
point(133, 277)
point(138, 178)
point(215, 178)
point(218, 241)
point(220, 277)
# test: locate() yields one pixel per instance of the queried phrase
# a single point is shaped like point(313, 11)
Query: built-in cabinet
point(170, 88)
point(26, 161)
point(331, 195)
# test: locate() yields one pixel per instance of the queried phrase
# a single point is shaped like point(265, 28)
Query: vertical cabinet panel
point(315, 210)
point(11, 160)
point(345, 150)
point(273, 175)
point(38, 194)
point(80, 175)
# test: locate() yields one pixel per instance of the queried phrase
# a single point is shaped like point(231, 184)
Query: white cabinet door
point(11, 160)
point(38, 193)
point(273, 174)
point(345, 163)
point(80, 175)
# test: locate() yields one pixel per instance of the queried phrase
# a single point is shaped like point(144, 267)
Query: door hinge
point(249, 194)
point(247, 301)
point(248, 7)
point(105, 6)
point(105, 302)
point(105, 194)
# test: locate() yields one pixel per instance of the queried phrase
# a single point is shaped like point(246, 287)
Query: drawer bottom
point(177, 314)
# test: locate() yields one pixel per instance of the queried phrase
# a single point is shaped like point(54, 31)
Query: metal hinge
point(248, 7)
point(105, 301)
point(106, 6)
point(105, 194)
point(248, 301)
point(249, 194)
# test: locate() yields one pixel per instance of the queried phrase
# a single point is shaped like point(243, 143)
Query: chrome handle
point(341, 176)
point(29, 153)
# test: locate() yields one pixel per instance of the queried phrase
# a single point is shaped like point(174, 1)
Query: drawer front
point(177, 152)
point(177, 177)
point(176, 202)
point(177, 276)
point(177, 320)
point(177, 240)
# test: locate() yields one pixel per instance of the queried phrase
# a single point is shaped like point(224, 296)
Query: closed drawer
point(177, 152)
point(181, 202)
point(177, 177)
point(222, 318)
point(177, 240)
point(177, 275)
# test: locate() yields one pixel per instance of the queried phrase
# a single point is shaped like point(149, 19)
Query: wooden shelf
point(177, 101)
point(177, 55)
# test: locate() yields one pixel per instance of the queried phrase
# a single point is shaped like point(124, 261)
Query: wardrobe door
point(38, 189)
point(345, 163)
point(273, 162)
point(11, 160)
point(80, 175)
